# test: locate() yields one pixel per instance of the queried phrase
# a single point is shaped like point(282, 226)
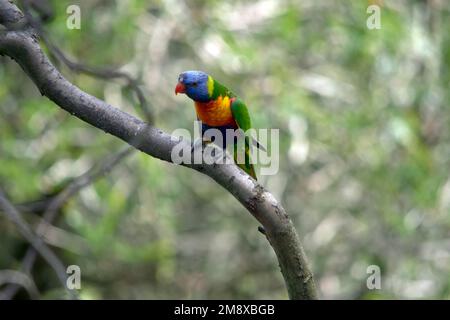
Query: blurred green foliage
point(364, 153)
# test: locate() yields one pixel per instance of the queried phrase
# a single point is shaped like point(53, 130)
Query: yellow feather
point(210, 86)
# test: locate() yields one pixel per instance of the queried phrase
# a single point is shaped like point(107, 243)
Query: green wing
point(242, 118)
point(241, 115)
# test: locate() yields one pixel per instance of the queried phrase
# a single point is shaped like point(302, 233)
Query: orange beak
point(180, 88)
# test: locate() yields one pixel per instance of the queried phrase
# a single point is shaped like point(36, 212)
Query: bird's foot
point(262, 230)
point(199, 144)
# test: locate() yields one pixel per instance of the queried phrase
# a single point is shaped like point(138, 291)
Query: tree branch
point(20, 279)
point(23, 47)
point(102, 73)
point(53, 206)
point(38, 244)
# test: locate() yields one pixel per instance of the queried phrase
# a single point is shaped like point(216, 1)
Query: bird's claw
point(215, 154)
point(196, 144)
point(199, 143)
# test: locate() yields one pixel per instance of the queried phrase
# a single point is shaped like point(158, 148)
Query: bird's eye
point(194, 84)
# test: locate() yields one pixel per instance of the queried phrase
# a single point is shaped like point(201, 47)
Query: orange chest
point(215, 113)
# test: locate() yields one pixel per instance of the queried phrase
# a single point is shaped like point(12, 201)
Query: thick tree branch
point(23, 46)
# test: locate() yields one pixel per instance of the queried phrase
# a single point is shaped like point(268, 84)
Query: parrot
point(219, 108)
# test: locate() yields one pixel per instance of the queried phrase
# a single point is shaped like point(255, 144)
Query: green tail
point(247, 166)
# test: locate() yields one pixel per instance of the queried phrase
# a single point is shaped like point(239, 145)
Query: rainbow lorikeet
point(219, 108)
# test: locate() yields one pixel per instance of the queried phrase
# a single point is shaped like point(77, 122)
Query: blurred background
point(364, 152)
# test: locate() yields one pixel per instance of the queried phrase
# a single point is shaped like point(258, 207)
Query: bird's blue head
point(197, 85)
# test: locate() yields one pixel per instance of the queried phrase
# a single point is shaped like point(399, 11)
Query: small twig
point(21, 279)
point(43, 8)
point(60, 238)
point(87, 178)
point(15, 216)
point(55, 204)
point(103, 73)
